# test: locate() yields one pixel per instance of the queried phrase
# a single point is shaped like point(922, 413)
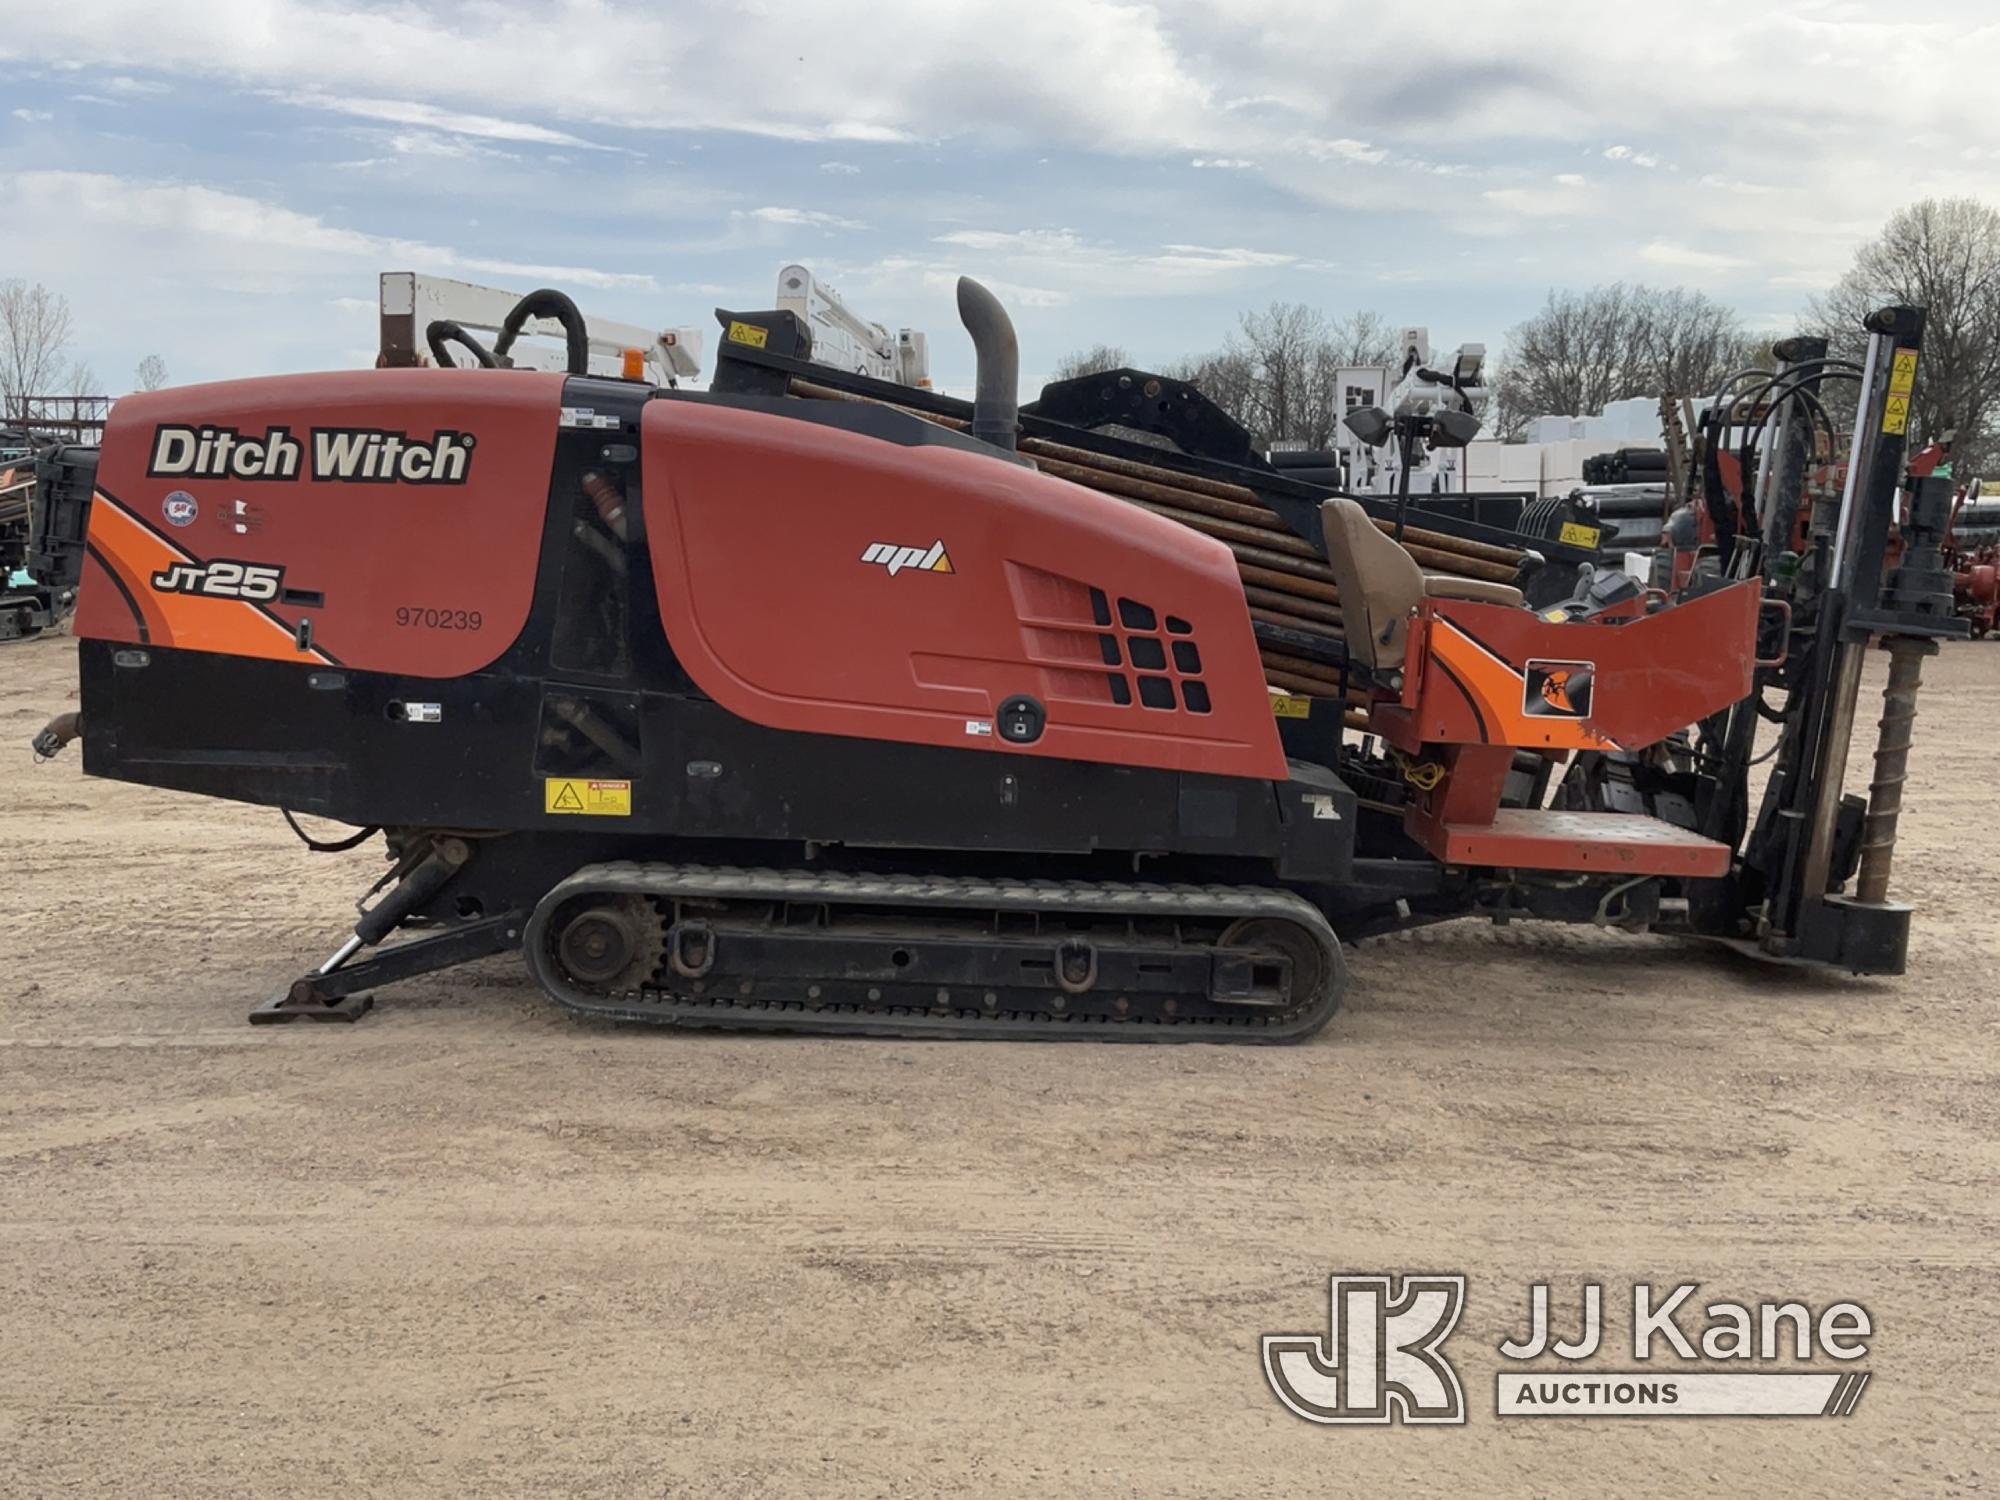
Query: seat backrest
point(1380, 584)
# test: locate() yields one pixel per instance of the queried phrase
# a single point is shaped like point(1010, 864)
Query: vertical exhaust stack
point(995, 400)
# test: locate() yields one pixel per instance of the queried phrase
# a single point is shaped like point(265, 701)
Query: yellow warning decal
point(1902, 380)
point(1284, 706)
point(588, 799)
point(1573, 535)
point(749, 333)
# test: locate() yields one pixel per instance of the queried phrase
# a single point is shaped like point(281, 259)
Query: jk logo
point(1380, 1361)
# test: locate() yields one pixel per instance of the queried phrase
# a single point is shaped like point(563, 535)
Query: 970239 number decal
point(416, 617)
point(222, 580)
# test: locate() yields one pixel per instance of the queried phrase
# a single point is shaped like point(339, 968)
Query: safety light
point(1369, 423)
point(1453, 429)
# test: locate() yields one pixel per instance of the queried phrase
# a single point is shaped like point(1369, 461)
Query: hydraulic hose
point(443, 331)
point(548, 303)
point(1779, 389)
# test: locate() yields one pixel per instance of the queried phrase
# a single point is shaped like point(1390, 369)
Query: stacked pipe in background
point(1627, 466)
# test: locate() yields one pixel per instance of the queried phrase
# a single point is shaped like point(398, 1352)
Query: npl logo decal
point(1381, 1361)
point(931, 559)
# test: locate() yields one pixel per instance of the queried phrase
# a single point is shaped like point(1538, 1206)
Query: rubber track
point(916, 891)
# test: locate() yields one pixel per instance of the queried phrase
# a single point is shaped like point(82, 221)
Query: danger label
point(587, 799)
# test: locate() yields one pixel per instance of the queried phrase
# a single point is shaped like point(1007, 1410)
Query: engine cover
point(834, 582)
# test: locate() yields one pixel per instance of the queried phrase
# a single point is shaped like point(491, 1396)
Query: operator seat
point(1381, 585)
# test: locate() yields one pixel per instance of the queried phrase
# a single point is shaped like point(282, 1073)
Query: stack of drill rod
point(1285, 578)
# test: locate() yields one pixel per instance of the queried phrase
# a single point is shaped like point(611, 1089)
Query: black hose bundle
point(442, 332)
point(548, 303)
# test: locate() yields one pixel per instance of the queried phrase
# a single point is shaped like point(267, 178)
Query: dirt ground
point(471, 1247)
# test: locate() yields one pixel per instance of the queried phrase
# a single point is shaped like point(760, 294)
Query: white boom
point(844, 340)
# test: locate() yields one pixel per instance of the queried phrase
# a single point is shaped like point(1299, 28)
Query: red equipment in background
point(1975, 569)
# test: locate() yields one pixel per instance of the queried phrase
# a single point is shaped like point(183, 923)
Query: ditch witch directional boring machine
point(815, 703)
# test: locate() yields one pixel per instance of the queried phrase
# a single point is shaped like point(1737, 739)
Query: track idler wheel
point(604, 944)
point(1263, 936)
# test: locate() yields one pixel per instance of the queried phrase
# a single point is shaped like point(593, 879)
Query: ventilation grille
point(1093, 649)
point(1166, 665)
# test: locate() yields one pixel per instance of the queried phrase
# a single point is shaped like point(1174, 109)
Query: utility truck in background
point(1410, 388)
point(845, 340)
point(419, 311)
point(424, 316)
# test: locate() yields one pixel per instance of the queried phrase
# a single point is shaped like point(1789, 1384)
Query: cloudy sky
point(221, 181)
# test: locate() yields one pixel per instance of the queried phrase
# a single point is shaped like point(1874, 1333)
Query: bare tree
point(1291, 361)
point(1362, 338)
point(1942, 255)
point(1586, 348)
point(151, 374)
point(35, 330)
point(1225, 377)
point(1092, 361)
point(1278, 374)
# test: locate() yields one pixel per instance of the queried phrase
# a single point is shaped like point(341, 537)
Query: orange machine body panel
point(1493, 674)
point(398, 512)
point(825, 581)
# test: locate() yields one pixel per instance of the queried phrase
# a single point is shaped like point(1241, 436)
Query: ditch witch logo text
point(1382, 1359)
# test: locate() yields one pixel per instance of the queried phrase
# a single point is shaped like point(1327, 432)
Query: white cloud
point(1686, 257)
point(245, 233)
point(32, 116)
point(944, 280)
point(1078, 113)
point(1346, 149)
point(1021, 241)
point(1062, 261)
point(1538, 202)
point(431, 117)
point(1627, 154)
point(799, 218)
point(1203, 258)
point(1732, 185)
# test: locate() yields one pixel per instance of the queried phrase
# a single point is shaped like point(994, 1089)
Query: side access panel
point(829, 581)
